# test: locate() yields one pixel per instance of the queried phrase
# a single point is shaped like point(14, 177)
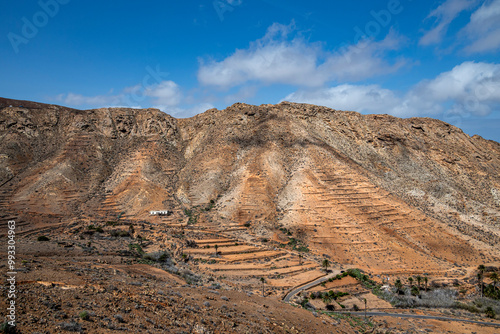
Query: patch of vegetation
point(247, 224)
point(210, 205)
point(84, 315)
point(467, 307)
point(43, 238)
point(285, 231)
point(191, 244)
point(297, 245)
point(110, 223)
point(363, 278)
point(303, 302)
point(7, 328)
point(491, 291)
point(119, 233)
point(489, 312)
point(330, 294)
point(94, 228)
point(156, 256)
point(193, 219)
point(136, 248)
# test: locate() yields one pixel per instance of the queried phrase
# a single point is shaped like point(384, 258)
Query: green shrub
point(7, 328)
point(84, 315)
point(119, 233)
point(137, 248)
point(303, 302)
point(489, 312)
point(210, 206)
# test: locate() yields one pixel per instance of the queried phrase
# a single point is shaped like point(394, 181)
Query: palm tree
point(425, 281)
point(263, 281)
point(480, 276)
point(398, 284)
point(300, 259)
point(480, 281)
point(325, 264)
point(216, 249)
point(410, 279)
point(327, 299)
point(494, 277)
point(419, 279)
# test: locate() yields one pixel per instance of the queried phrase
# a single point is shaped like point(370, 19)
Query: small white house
point(159, 213)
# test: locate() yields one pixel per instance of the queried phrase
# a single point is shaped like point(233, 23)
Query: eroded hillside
point(373, 191)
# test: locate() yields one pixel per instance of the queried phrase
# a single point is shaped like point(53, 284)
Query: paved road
point(309, 285)
point(405, 315)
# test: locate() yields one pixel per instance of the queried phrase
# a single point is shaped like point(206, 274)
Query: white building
point(159, 213)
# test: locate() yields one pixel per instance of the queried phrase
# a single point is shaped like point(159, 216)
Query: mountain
point(258, 198)
point(375, 191)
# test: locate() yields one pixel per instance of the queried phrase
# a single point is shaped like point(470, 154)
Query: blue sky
point(407, 58)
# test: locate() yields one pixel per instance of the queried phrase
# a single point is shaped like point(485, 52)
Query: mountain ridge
point(259, 165)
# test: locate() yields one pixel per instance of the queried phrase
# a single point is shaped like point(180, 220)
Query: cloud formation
point(444, 15)
point(483, 30)
point(469, 88)
point(166, 93)
point(166, 96)
point(279, 59)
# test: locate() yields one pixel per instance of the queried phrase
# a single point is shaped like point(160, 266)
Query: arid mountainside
point(259, 198)
point(373, 191)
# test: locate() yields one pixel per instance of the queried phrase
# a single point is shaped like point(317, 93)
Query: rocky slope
point(255, 192)
point(365, 188)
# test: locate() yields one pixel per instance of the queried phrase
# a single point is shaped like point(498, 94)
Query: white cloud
point(72, 99)
point(277, 59)
point(361, 98)
point(469, 88)
point(165, 93)
point(484, 28)
point(185, 111)
point(444, 15)
point(363, 60)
